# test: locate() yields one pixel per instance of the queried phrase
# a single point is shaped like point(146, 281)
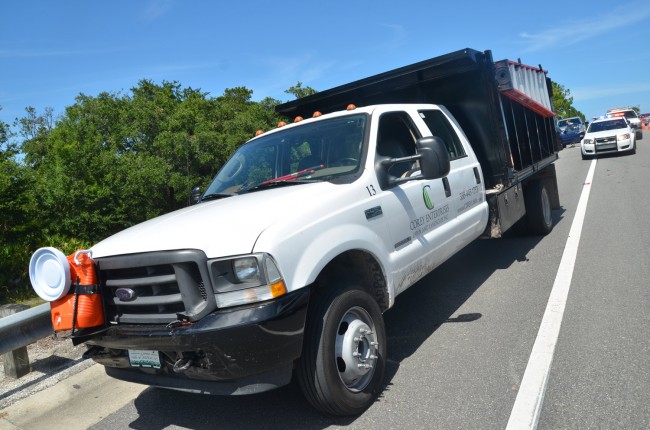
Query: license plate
point(144, 358)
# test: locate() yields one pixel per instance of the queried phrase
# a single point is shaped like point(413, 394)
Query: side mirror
point(195, 196)
point(434, 158)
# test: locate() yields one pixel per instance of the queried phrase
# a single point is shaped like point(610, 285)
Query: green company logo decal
point(425, 196)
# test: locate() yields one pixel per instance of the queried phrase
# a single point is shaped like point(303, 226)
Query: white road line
point(528, 405)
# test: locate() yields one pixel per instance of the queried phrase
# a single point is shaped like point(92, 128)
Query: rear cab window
point(440, 126)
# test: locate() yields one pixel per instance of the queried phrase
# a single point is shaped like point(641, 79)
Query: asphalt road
point(460, 340)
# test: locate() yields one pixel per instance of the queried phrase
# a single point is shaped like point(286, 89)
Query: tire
point(341, 371)
point(538, 209)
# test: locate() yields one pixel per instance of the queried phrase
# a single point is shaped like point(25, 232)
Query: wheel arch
point(358, 267)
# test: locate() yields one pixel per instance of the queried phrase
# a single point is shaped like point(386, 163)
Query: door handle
point(445, 183)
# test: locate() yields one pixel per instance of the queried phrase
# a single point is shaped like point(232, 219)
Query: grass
point(24, 298)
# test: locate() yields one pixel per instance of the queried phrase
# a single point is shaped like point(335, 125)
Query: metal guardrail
point(26, 327)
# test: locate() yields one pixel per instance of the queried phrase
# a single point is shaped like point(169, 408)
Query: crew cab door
point(420, 213)
point(465, 180)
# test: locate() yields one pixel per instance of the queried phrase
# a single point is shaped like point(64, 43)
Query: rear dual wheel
point(538, 208)
point(538, 219)
point(342, 368)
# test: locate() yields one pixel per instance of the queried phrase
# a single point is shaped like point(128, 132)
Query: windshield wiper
point(290, 179)
point(216, 196)
point(272, 184)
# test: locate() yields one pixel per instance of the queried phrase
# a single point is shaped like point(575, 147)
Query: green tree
point(5, 133)
point(15, 217)
point(114, 160)
point(563, 103)
point(35, 129)
point(33, 124)
point(299, 91)
point(92, 177)
point(12, 186)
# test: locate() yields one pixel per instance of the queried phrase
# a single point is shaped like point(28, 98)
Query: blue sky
point(52, 51)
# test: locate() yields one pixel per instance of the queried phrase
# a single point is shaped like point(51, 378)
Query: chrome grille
point(607, 139)
point(607, 143)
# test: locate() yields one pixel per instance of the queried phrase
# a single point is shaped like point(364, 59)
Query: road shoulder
point(78, 401)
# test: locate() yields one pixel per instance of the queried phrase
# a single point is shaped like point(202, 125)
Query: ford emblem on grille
point(125, 294)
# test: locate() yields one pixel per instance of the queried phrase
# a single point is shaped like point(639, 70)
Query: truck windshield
point(316, 151)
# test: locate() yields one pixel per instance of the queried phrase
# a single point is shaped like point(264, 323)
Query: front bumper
point(234, 351)
point(619, 146)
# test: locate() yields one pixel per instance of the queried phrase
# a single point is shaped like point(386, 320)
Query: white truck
point(310, 232)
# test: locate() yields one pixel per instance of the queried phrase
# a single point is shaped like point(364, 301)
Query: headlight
point(246, 270)
point(589, 141)
point(243, 280)
point(625, 136)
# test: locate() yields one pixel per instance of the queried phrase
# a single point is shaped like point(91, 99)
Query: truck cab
point(367, 200)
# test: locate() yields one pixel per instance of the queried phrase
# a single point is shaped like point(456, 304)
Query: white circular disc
point(49, 272)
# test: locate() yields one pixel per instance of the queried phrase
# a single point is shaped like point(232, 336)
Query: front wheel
point(342, 368)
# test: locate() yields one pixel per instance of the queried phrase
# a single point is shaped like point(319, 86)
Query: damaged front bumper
point(236, 351)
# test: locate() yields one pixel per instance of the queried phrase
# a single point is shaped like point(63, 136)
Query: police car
point(608, 135)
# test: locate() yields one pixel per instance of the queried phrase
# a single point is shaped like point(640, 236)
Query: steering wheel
point(236, 169)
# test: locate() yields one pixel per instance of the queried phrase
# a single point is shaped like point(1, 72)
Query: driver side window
point(396, 139)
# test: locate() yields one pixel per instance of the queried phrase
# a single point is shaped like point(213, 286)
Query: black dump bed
point(512, 135)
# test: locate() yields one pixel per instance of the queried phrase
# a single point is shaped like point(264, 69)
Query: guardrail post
point(16, 362)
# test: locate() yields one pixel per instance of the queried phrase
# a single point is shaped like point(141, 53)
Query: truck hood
point(229, 226)
point(608, 133)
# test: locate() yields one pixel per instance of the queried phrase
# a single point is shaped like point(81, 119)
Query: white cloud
point(575, 31)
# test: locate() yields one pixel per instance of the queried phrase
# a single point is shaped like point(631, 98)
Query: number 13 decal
point(371, 190)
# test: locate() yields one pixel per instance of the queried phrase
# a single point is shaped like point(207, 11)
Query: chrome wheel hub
point(356, 349)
